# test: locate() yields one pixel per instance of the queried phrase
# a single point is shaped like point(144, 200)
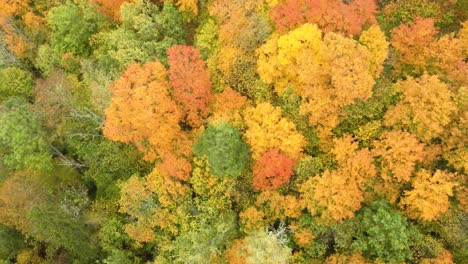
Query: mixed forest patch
point(233, 131)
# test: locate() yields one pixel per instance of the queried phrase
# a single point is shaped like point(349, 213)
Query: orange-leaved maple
point(110, 8)
point(399, 152)
point(330, 15)
point(273, 169)
point(412, 42)
point(190, 79)
point(142, 112)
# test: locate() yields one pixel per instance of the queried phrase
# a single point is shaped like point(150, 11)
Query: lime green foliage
point(11, 242)
point(385, 234)
point(227, 154)
point(308, 167)
point(22, 140)
point(145, 34)
point(15, 82)
point(112, 236)
point(207, 39)
point(72, 26)
point(206, 242)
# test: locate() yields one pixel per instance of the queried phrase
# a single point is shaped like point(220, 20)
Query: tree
point(400, 151)
point(205, 243)
point(145, 33)
point(142, 112)
point(272, 170)
point(385, 234)
point(412, 43)
point(260, 247)
point(227, 154)
point(154, 204)
point(18, 194)
point(11, 242)
point(330, 15)
point(327, 72)
point(374, 39)
point(429, 197)
point(22, 140)
point(335, 195)
point(110, 8)
point(12, 7)
point(15, 82)
point(55, 226)
point(266, 129)
point(72, 27)
point(425, 109)
point(190, 80)
point(227, 107)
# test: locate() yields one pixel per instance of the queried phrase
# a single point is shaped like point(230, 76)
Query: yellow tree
point(426, 108)
point(328, 72)
point(267, 129)
point(336, 195)
point(153, 202)
point(429, 197)
point(374, 39)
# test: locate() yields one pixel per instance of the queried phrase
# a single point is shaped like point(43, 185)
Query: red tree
point(273, 169)
point(190, 79)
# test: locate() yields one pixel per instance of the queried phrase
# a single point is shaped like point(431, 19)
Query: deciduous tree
point(142, 112)
point(15, 82)
point(330, 15)
point(272, 170)
point(429, 197)
point(22, 140)
point(227, 154)
point(190, 80)
point(268, 129)
point(425, 109)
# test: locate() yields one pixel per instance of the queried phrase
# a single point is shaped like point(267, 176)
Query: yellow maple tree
point(426, 108)
point(429, 197)
point(267, 129)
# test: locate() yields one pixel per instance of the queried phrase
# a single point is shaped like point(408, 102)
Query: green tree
point(72, 26)
point(61, 224)
point(206, 242)
point(385, 234)
point(11, 242)
point(227, 154)
point(22, 140)
point(15, 82)
point(145, 33)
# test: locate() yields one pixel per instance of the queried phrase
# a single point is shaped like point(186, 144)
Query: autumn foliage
point(330, 15)
point(272, 170)
point(430, 195)
point(142, 112)
point(233, 131)
point(190, 80)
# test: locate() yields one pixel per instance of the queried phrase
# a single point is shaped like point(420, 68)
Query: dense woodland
point(233, 131)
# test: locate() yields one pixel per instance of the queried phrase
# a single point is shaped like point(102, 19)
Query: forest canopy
point(233, 131)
